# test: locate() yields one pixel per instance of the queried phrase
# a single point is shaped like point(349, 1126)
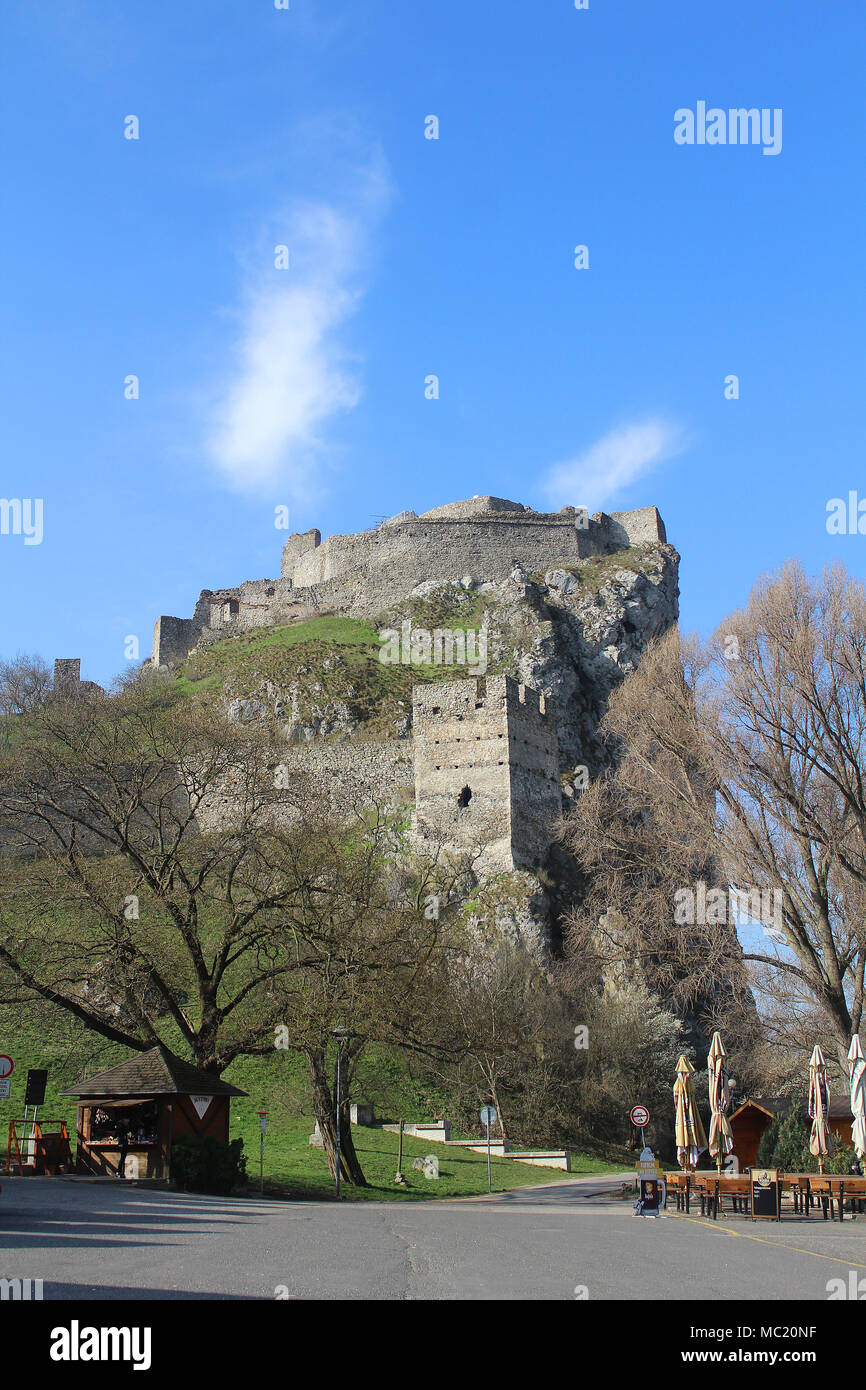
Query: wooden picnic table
point(830, 1190)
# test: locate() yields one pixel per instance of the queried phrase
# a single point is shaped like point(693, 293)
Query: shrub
point(840, 1160)
point(785, 1144)
point(202, 1163)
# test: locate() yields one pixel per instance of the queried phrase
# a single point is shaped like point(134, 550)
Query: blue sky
point(410, 257)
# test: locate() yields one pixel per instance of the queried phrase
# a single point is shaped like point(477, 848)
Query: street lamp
point(340, 1034)
point(263, 1124)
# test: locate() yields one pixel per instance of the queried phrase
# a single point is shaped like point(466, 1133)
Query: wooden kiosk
point(151, 1099)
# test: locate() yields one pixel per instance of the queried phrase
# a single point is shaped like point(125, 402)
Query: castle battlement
point(368, 572)
point(484, 536)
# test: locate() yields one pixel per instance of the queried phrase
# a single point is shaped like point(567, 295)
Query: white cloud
point(620, 457)
point(292, 371)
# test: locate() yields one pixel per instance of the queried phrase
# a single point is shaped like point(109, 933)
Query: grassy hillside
point(278, 1085)
point(324, 661)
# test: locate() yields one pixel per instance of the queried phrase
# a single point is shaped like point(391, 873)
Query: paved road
point(104, 1240)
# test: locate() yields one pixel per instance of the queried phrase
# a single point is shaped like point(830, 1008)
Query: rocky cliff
point(342, 709)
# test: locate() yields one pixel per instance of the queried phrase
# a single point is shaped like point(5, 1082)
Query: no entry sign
point(640, 1116)
point(7, 1066)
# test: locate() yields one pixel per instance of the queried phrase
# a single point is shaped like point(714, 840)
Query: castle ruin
point(487, 762)
point(486, 772)
point(483, 538)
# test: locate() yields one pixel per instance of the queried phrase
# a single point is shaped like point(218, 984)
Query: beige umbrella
point(819, 1107)
point(857, 1070)
point(690, 1136)
point(721, 1138)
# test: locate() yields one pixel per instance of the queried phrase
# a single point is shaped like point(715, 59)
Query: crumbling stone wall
point(366, 573)
point(486, 771)
point(67, 683)
point(455, 540)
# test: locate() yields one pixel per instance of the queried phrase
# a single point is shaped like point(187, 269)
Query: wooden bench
point(797, 1184)
point(706, 1187)
point(678, 1184)
point(854, 1190)
point(826, 1190)
point(740, 1192)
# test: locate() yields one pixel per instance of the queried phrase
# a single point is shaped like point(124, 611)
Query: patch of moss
point(592, 574)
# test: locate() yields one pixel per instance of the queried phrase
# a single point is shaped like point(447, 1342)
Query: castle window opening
point(464, 797)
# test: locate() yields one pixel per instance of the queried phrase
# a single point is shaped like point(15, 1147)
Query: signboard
point(640, 1116)
point(766, 1194)
point(201, 1104)
point(488, 1115)
point(648, 1165)
point(652, 1185)
point(7, 1066)
point(5, 1087)
point(36, 1082)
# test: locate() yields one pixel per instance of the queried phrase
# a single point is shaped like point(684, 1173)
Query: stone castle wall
point(452, 541)
point(486, 771)
point(366, 573)
point(535, 786)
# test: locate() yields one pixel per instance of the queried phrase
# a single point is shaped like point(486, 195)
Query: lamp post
point(340, 1034)
point(263, 1124)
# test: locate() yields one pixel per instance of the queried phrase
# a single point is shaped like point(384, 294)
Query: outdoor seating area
point(802, 1195)
point(765, 1192)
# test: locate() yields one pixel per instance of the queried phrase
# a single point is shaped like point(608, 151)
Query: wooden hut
point(750, 1122)
point(152, 1098)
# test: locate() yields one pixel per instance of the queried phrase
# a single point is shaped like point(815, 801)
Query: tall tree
point(741, 764)
point(163, 879)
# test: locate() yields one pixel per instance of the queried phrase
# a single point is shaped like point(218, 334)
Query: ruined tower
point(486, 771)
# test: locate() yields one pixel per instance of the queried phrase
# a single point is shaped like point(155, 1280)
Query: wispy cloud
point(591, 478)
point(292, 370)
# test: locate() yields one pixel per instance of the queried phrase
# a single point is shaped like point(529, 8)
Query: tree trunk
point(325, 1107)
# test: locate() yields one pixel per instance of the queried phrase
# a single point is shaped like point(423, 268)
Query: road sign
point(37, 1079)
point(7, 1066)
point(488, 1118)
point(640, 1116)
point(5, 1087)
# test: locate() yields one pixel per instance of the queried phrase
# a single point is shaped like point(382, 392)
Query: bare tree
point(741, 765)
point(161, 883)
point(24, 682)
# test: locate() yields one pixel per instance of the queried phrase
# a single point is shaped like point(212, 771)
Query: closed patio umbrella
point(819, 1106)
point(721, 1138)
point(857, 1070)
point(690, 1136)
